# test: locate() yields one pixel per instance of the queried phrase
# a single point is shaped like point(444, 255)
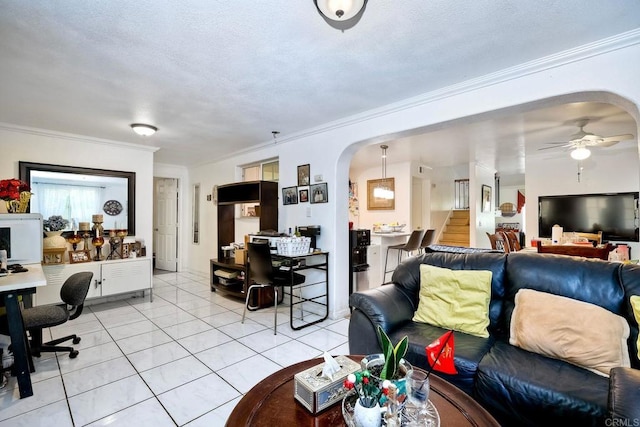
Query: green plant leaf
point(401, 348)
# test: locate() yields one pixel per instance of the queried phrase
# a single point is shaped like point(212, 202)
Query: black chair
point(73, 293)
point(413, 244)
point(263, 275)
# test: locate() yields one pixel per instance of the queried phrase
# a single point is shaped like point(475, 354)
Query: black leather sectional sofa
point(520, 388)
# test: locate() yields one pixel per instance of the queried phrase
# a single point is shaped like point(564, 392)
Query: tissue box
point(317, 393)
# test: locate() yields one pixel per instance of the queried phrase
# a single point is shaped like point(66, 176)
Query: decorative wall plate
point(112, 207)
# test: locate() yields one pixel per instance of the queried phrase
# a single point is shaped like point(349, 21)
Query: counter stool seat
point(413, 244)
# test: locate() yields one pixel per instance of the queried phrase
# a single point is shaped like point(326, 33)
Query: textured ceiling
point(218, 76)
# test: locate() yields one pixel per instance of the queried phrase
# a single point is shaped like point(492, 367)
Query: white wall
point(401, 172)
point(31, 145)
point(480, 175)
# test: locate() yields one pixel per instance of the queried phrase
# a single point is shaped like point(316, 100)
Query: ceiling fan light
point(340, 10)
point(580, 153)
point(143, 130)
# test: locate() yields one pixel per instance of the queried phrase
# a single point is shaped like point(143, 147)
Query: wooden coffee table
point(271, 403)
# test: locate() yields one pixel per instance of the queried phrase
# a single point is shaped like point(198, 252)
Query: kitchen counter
point(382, 241)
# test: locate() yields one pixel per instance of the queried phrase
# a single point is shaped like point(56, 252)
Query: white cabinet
point(109, 278)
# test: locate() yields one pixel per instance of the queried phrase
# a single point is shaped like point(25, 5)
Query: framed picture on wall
point(304, 195)
point(376, 203)
point(290, 196)
point(486, 199)
point(304, 175)
point(319, 193)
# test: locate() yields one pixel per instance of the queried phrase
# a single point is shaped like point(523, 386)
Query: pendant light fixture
point(143, 130)
point(341, 14)
point(382, 191)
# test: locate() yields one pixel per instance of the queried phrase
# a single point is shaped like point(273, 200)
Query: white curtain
point(73, 203)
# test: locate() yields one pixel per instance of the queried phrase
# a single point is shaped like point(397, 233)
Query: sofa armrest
point(386, 306)
point(624, 395)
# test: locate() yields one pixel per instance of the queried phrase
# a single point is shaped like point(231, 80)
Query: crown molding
point(73, 137)
point(576, 54)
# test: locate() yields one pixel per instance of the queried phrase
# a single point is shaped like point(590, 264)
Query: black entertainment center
point(615, 214)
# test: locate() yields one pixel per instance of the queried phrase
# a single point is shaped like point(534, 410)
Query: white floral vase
point(54, 240)
point(366, 417)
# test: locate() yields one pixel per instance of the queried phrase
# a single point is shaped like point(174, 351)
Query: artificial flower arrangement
point(369, 391)
point(10, 189)
point(55, 223)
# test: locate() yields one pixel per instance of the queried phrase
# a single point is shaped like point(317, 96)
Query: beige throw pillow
point(574, 331)
point(455, 299)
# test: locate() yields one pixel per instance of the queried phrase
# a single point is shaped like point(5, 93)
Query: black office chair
point(263, 275)
point(73, 293)
point(413, 244)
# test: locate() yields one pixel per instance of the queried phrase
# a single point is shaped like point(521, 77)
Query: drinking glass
point(417, 383)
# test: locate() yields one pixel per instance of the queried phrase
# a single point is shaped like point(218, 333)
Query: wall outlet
point(308, 212)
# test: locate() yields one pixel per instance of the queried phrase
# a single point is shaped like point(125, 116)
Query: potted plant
point(392, 355)
point(53, 229)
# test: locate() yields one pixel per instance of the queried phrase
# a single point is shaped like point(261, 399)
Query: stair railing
point(461, 193)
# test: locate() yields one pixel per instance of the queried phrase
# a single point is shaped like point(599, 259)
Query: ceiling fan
point(579, 141)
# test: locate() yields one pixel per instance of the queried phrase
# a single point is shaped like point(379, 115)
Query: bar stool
point(428, 238)
point(413, 244)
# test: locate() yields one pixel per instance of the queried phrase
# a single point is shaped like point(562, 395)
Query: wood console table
point(271, 403)
point(601, 252)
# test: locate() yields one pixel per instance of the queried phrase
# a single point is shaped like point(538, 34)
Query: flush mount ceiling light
point(341, 14)
point(580, 153)
point(143, 130)
point(383, 191)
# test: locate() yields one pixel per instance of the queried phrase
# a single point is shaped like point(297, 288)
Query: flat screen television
point(615, 214)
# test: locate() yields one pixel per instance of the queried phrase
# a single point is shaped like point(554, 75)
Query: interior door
point(166, 223)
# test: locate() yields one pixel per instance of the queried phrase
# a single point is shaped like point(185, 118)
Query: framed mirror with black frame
point(78, 193)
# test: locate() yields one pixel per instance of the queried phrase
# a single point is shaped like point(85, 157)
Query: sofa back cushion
point(407, 277)
point(630, 277)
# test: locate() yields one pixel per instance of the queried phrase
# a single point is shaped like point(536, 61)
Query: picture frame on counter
point(76, 257)
point(304, 175)
point(319, 193)
point(290, 196)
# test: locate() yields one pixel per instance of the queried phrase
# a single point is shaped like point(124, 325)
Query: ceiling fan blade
point(613, 140)
point(546, 148)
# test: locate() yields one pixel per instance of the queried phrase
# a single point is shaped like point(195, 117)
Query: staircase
point(456, 232)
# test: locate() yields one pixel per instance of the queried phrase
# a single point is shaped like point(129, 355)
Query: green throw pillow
point(455, 299)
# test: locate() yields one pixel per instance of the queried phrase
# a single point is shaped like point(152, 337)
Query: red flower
point(10, 189)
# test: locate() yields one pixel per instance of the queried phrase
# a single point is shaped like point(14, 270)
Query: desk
point(297, 263)
point(271, 403)
point(10, 287)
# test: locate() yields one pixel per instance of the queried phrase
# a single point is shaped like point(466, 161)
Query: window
point(75, 203)
point(265, 171)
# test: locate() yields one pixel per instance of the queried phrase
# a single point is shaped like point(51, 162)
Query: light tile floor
point(182, 360)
